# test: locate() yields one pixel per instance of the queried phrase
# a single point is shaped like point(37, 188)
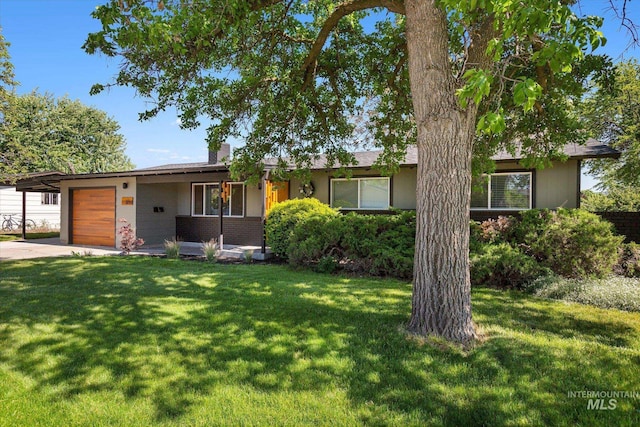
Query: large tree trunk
point(441, 302)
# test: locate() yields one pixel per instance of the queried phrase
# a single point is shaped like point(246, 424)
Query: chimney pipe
point(217, 156)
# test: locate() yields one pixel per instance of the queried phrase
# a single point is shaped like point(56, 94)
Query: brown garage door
point(93, 216)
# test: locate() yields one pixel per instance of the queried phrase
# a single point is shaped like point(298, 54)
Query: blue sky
point(46, 38)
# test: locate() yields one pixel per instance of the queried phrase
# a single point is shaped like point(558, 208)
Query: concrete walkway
point(42, 248)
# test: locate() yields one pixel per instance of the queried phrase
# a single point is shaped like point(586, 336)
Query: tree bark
point(441, 301)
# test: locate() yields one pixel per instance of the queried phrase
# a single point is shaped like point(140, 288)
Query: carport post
point(24, 215)
point(221, 238)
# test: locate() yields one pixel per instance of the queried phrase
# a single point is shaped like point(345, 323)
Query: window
point(503, 191)
point(206, 197)
point(360, 193)
point(49, 199)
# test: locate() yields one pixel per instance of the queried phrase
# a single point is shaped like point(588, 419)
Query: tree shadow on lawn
point(155, 329)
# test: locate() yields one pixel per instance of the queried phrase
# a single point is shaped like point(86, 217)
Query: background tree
point(297, 78)
point(614, 198)
point(7, 88)
point(42, 133)
point(7, 77)
point(612, 115)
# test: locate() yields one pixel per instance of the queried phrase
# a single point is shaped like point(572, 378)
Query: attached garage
point(93, 216)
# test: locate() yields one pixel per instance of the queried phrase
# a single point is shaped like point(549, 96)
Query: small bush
point(128, 240)
point(629, 260)
point(572, 242)
point(283, 218)
point(503, 266)
point(172, 248)
point(210, 250)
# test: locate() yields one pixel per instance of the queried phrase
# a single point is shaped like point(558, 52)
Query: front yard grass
point(143, 341)
point(7, 237)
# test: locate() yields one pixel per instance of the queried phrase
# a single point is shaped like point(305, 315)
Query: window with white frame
point(360, 193)
point(49, 199)
point(206, 199)
point(508, 191)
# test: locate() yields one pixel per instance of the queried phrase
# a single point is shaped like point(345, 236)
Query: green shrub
point(393, 255)
point(629, 260)
point(327, 265)
point(572, 242)
point(381, 245)
point(475, 237)
point(283, 218)
point(314, 238)
point(374, 244)
point(503, 266)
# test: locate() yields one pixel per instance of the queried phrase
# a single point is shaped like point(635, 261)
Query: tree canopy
point(296, 78)
point(7, 77)
point(612, 114)
point(616, 198)
point(42, 133)
point(293, 79)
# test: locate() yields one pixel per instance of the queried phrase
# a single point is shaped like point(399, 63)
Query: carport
point(40, 182)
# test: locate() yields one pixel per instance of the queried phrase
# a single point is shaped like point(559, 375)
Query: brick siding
point(237, 231)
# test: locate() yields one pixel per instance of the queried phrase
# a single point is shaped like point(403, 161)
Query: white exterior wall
point(127, 212)
point(11, 203)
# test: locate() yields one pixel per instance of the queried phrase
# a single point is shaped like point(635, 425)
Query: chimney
point(217, 156)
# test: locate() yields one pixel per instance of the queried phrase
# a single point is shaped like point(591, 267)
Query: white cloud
point(158, 150)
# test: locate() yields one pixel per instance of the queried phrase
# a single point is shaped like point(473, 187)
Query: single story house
point(190, 201)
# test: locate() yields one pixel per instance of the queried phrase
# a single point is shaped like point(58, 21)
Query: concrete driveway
point(41, 248)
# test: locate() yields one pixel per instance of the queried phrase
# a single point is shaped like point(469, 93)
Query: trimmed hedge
point(373, 244)
point(284, 217)
point(505, 252)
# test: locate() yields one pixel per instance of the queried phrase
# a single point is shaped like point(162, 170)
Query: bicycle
point(10, 223)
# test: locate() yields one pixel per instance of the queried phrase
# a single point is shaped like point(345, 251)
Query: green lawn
point(146, 341)
point(6, 237)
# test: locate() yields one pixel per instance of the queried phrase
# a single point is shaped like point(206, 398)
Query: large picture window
point(206, 197)
point(360, 193)
point(507, 191)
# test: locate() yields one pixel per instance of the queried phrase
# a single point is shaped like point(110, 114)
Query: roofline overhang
point(50, 181)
